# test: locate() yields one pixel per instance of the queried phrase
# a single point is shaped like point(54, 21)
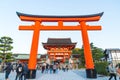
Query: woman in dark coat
point(8, 69)
point(19, 71)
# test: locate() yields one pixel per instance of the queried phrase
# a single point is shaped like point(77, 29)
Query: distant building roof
point(75, 55)
point(43, 56)
point(107, 51)
point(58, 42)
point(24, 56)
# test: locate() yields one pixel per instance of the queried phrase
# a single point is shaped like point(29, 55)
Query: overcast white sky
point(108, 37)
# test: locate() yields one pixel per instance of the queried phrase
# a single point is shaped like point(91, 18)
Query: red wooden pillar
point(34, 47)
point(87, 50)
point(90, 70)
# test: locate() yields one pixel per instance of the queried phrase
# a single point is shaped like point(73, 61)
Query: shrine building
point(59, 49)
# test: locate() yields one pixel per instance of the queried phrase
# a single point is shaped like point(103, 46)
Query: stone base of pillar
point(31, 74)
point(91, 73)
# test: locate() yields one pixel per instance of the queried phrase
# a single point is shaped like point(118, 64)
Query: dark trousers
point(23, 75)
point(18, 75)
point(7, 75)
point(112, 75)
point(54, 70)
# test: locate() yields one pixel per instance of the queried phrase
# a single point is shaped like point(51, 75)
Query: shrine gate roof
point(59, 41)
point(54, 18)
point(68, 16)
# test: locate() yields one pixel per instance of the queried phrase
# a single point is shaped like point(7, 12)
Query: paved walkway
point(70, 75)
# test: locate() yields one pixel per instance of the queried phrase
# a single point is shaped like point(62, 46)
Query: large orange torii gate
point(37, 27)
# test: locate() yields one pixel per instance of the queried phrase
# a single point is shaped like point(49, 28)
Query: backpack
point(8, 69)
point(20, 69)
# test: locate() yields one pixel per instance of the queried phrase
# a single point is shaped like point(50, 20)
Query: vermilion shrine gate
point(37, 27)
point(59, 49)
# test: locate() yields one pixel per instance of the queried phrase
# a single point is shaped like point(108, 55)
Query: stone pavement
point(70, 75)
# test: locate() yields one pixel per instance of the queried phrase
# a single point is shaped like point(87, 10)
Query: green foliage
point(97, 53)
point(5, 44)
point(82, 58)
point(5, 48)
point(101, 67)
point(81, 52)
point(76, 51)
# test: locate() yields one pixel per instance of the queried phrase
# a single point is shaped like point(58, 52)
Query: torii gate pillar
point(37, 27)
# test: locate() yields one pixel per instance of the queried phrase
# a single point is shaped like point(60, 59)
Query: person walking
point(67, 68)
point(47, 68)
point(51, 68)
point(112, 71)
point(54, 68)
point(7, 70)
point(57, 67)
point(19, 71)
point(43, 67)
point(63, 67)
point(25, 71)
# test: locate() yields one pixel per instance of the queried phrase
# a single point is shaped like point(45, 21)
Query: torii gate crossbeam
point(37, 27)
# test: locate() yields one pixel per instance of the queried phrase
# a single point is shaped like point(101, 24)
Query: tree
point(5, 48)
point(81, 52)
point(97, 53)
point(76, 51)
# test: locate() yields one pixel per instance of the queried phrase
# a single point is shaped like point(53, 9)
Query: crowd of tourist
point(21, 70)
point(54, 67)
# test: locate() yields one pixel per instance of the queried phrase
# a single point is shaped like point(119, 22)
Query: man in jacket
point(112, 71)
